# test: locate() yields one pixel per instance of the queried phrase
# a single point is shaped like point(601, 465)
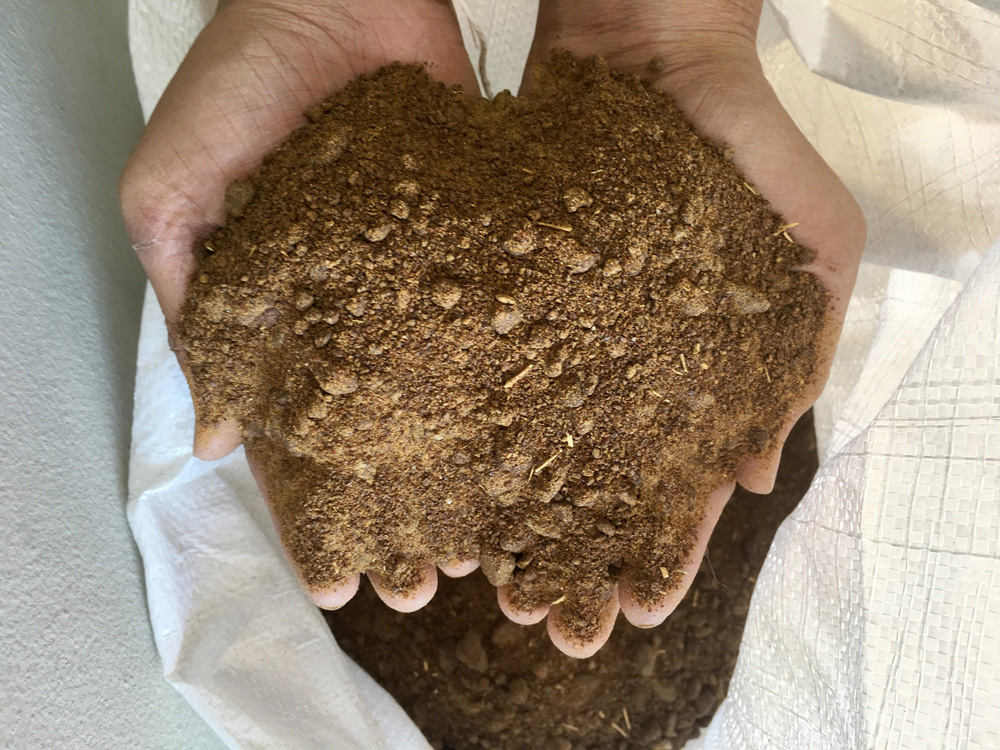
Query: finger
point(459, 568)
point(329, 597)
point(212, 442)
point(337, 595)
point(514, 613)
point(563, 634)
point(414, 597)
point(644, 612)
point(758, 473)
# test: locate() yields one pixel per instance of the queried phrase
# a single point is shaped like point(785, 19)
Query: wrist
point(683, 34)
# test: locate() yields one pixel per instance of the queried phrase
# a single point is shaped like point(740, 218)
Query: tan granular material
point(534, 331)
point(471, 680)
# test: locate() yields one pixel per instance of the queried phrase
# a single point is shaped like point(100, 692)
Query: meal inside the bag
point(534, 332)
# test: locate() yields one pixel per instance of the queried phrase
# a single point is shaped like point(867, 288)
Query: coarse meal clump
point(472, 680)
point(531, 331)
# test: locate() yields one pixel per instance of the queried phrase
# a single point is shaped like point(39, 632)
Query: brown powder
point(533, 331)
point(473, 681)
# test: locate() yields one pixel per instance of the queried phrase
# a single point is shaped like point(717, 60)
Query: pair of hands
point(253, 71)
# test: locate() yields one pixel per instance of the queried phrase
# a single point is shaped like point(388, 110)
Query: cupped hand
point(703, 53)
point(258, 65)
point(241, 90)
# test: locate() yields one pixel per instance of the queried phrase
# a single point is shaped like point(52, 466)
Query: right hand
point(241, 90)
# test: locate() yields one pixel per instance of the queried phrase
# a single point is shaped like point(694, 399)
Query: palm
point(241, 90)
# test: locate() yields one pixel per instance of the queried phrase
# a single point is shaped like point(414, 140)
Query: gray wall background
point(78, 667)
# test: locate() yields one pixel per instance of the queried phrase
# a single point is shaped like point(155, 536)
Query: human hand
point(703, 53)
point(240, 91)
point(253, 71)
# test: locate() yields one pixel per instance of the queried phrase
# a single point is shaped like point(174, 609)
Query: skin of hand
point(256, 67)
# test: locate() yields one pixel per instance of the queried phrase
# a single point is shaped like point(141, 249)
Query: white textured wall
point(77, 664)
